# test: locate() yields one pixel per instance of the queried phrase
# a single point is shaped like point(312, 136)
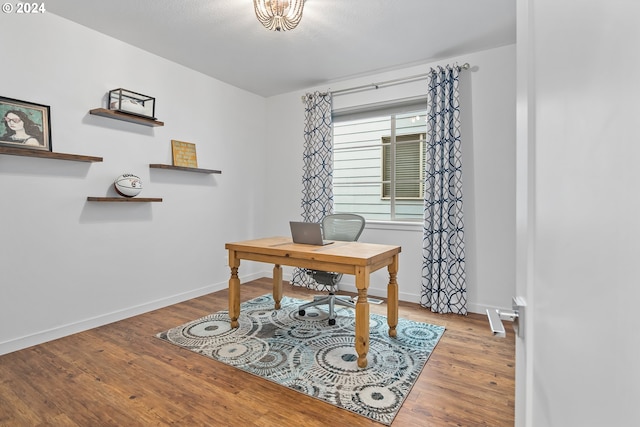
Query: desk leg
point(392, 297)
point(277, 285)
point(362, 316)
point(234, 291)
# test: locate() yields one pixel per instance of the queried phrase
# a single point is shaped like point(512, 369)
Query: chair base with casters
point(331, 300)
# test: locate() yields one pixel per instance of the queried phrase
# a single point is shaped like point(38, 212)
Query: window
point(409, 167)
point(379, 163)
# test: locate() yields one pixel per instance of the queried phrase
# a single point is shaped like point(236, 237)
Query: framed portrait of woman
point(25, 124)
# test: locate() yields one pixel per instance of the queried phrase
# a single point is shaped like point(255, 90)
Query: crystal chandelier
point(279, 15)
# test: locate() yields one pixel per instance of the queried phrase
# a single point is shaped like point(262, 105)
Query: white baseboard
point(402, 296)
point(104, 319)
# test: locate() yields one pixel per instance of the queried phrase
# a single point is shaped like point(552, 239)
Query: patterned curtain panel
point(317, 169)
point(443, 274)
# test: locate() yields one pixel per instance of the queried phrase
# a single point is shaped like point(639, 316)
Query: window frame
point(412, 139)
point(384, 111)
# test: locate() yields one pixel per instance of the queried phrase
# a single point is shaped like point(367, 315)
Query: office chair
point(343, 227)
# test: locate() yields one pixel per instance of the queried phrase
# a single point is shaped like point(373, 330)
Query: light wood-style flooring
point(121, 375)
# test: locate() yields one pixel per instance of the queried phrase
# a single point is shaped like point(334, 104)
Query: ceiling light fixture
point(279, 15)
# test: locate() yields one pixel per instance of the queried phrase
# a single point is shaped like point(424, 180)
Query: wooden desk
point(359, 259)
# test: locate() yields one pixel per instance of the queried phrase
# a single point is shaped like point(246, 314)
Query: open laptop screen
point(308, 233)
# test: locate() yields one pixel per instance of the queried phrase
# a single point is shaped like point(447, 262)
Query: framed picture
point(24, 125)
point(184, 154)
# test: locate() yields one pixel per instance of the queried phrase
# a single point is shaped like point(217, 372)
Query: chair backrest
point(345, 227)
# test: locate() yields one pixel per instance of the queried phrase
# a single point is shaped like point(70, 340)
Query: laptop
point(308, 233)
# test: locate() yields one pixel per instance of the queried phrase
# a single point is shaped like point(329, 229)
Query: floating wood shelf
point(131, 118)
point(125, 200)
point(183, 168)
point(47, 154)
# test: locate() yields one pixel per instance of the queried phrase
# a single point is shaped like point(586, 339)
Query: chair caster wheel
point(301, 312)
point(332, 322)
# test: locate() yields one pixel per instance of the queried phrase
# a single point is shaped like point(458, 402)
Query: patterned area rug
point(309, 356)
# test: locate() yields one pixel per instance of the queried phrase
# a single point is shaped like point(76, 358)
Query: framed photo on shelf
point(25, 124)
point(184, 154)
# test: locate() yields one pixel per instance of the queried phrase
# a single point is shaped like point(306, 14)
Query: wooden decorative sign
point(184, 154)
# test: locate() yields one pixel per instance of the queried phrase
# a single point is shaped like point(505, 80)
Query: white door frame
point(525, 204)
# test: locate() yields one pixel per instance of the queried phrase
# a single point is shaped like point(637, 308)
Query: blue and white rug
point(309, 356)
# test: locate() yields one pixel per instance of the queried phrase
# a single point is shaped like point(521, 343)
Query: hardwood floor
point(121, 375)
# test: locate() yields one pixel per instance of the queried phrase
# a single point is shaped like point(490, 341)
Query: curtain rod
point(401, 80)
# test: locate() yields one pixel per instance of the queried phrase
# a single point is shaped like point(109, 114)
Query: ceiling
point(336, 39)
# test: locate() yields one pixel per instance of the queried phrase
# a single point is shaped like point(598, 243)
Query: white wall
point(583, 288)
point(67, 264)
point(488, 135)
